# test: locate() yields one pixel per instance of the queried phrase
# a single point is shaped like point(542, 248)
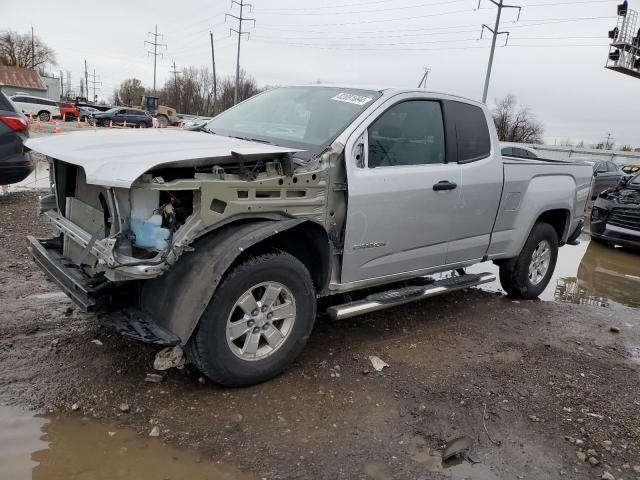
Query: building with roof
point(29, 81)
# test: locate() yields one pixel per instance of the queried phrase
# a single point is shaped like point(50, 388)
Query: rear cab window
point(471, 131)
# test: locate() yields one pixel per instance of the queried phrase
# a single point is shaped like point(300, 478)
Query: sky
point(553, 62)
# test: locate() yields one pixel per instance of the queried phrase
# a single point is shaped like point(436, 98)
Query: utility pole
point(423, 80)
point(68, 82)
point(155, 53)
point(175, 80)
point(33, 50)
point(496, 31)
point(82, 88)
point(86, 78)
point(240, 19)
point(94, 83)
point(608, 145)
point(215, 86)
point(61, 84)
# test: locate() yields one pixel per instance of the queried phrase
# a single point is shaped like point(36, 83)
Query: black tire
point(163, 121)
point(44, 116)
point(514, 274)
point(142, 125)
point(70, 117)
point(104, 122)
point(209, 348)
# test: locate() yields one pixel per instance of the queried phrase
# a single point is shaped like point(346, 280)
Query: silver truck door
point(401, 191)
point(480, 162)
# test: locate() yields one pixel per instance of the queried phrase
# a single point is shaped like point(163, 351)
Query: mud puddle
point(589, 274)
point(54, 447)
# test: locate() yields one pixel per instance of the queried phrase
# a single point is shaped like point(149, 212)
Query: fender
point(177, 300)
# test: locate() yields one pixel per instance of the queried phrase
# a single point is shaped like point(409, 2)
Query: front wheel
point(44, 116)
point(528, 275)
point(257, 322)
point(142, 125)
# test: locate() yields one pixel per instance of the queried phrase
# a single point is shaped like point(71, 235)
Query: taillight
point(17, 124)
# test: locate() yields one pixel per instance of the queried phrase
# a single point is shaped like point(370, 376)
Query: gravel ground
point(545, 390)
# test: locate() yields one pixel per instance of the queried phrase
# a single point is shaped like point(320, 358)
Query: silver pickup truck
point(222, 239)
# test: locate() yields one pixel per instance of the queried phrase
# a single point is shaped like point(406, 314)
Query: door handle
point(445, 185)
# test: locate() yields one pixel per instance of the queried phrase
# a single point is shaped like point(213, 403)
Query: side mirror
point(595, 174)
point(359, 155)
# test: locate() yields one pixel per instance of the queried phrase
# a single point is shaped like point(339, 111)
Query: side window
point(507, 151)
point(612, 167)
point(409, 133)
point(122, 111)
point(601, 167)
point(472, 131)
point(18, 99)
point(531, 154)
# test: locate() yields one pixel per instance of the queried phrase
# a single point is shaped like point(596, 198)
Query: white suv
point(43, 108)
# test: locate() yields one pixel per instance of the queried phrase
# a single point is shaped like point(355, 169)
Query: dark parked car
point(605, 174)
point(615, 217)
point(119, 115)
point(15, 161)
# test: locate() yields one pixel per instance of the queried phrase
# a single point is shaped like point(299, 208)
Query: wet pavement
point(589, 274)
point(61, 447)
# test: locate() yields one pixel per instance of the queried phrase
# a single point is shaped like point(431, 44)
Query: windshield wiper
point(249, 139)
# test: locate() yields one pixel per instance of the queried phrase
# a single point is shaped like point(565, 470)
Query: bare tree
point(192, 91)
point(16, 51)
point(129, 93)
point(516, 123)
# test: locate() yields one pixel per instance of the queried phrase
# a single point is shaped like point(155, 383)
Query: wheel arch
point(559, 219)
point(176, 300)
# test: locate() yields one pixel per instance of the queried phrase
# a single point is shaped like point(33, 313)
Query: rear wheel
point(104, 122)
point(528, 275)
point(257, 322)
point(163, 121)
point(44, 116)
point(142, 125)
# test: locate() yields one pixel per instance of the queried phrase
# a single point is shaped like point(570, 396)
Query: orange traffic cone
point(58, 129)
point(30, 119)
point(110, 123)
point(125, 124)
point(86, 121)
point(64, 117)
point(78, 123)
point(38, 124)
point(50, 119)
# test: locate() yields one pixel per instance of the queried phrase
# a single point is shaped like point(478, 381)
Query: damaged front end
point(116, 248)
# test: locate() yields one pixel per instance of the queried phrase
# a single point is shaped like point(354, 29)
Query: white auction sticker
point(351, 98)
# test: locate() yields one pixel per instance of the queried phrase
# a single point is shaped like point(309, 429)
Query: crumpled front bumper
point(92, 294)
point(88, 293)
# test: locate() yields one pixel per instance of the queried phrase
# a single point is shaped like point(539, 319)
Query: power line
point(496, 32)
point(239, 31)
point(155, 53)
point(342, 12)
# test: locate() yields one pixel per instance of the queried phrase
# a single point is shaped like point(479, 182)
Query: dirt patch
point(552, 382)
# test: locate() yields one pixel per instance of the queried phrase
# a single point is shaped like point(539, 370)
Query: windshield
point(307, 118)
point(112, 110)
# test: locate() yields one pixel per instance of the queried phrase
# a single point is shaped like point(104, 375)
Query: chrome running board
point(400, 296)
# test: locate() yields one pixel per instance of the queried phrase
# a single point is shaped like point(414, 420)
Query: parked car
point(230, 234)
point(118, 115)
point(615, 216)
point(15, 161)
point(517, 150)
point(40, 107)
point(86, 113)
point(630, 169)
point(69, 111)
point(605, 174)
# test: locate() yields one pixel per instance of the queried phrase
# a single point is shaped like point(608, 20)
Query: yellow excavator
point(166, 115)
